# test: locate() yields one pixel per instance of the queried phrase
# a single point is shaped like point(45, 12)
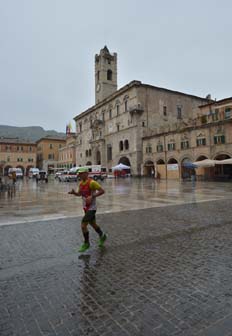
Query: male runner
point(89, 190)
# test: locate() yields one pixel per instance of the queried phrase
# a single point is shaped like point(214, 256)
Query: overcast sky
point(47, 50)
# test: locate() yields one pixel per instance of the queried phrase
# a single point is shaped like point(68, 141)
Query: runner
point(89, 190)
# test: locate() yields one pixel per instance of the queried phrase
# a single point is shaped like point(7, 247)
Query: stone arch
point(222, 156)
point(186, 171)
point(222, 171)
point(124, 160)
point(173, 169)
point(186, 158)
point(172, 161)
point(88, 163)
point(201, 158)
point(160, 171)
point(160, 161)
point(149, 168)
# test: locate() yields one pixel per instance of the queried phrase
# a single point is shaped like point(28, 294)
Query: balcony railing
point(136, 109)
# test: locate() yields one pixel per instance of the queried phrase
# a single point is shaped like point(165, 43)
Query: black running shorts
point(89, 217)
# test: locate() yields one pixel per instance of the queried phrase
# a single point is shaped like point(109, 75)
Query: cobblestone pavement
point(164, 271)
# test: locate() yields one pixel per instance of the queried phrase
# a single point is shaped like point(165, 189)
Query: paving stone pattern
point(164, 271)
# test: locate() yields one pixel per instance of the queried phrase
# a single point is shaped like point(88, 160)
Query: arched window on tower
point(109, 75)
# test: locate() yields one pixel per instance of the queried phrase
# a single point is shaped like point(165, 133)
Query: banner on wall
point(172, 166)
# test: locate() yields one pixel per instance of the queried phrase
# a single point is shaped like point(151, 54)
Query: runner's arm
point(73, 192)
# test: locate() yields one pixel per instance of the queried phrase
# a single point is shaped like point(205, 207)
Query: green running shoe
point(84, 247)
point(102, 240)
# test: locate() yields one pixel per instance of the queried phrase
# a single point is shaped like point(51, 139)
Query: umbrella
point(120, 166)
point(226, 161)
point(189, 165)
point(205, 163)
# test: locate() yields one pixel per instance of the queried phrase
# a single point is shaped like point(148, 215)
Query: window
point(30, 149)
point(8, 158)
point(184, 144)
point(110, 114)
point(201, 142)
point(204, 119)
point(90, 152)
point(219, 139)
point(30, 159)
point(227, 113)
point(120, 145)
point(98, 75)
point(159, 148)
point(171, 146)
point(126, 106)
point(118, 127)
point(148, 149)
point(126, 144)
point(103, 116)
point(215, 115)
point(86, 153)
point(143, 123)
point(50, 156)
point(165, 111)
point(117, 110)
point(51, 146)
point(20, 159)
point(80, 126)
point(60, 145)
point(109, 152)
point(179, 112)
point(109, 75)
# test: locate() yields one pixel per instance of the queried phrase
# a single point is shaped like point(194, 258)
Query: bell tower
point(105, 74)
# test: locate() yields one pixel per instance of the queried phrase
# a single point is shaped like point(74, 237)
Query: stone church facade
point(118, 128)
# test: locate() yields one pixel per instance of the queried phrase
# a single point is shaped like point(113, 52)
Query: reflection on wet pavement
point(32, 201)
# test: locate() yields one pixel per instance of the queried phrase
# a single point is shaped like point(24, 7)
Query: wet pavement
point(165, 270)
point(51, 201)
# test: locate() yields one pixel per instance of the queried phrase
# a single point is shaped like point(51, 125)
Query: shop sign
point(173, 166)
